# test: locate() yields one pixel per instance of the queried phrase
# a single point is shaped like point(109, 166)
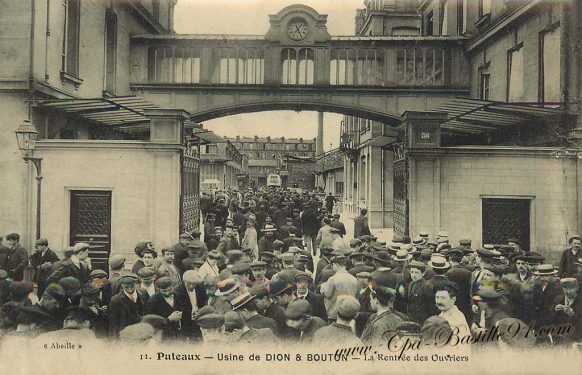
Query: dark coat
point(545, 302)
point(420, 301)
point(157, 305)
point(560, 317)
point(14, 261)
point(68, 268)
point(462, 277)
point(339, 225)
point(123, 312)
point(310, 223)
point(317, 305)
point(361, 226)
point(190, 328)
point(567, 267)
point(41, 275)
point(277, 313)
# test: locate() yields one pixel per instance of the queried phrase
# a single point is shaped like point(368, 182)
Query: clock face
point(297, 29)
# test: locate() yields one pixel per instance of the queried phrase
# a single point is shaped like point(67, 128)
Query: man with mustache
point(445, 299)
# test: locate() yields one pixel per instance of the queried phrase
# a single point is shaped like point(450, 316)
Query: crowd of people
point(279, 266)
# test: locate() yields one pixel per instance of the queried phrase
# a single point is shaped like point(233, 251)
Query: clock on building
point(297, 29)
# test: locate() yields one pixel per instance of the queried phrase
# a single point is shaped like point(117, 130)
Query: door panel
point(91, 223)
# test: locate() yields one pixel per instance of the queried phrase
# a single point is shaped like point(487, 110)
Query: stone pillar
point(319, 140)
point(166, 124)
point(166, 146)
point(424, 171)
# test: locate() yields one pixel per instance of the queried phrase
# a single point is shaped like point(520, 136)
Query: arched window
point(297, 66)
point(370, 66)
point(224, 63)
point(187, 65)
point(341, 68)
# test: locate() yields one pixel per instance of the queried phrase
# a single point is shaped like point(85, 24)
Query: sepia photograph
point(290, 186)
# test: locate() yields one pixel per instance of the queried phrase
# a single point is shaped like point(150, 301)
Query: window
point(369, 66)
point(297, 66)
point(515, 73)
point(110, 49)
point(462, 13)
point(429, 22)
point(70, 53)
point(484, 7)
point(549, 75)
point(484, 82)
point(444, 18)
point(420, 66)
point(342, 65)
point(187, 65)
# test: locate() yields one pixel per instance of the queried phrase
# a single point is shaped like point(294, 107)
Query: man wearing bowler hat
point(569, 256)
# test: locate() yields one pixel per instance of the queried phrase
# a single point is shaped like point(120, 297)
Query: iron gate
point(190, 196)
point(400, 165)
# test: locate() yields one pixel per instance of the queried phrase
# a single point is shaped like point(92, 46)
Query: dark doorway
point(91, 223)
point(506, 218)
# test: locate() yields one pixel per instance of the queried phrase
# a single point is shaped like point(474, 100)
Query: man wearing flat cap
point(300, 317)
point(191, 296)
point(51, 303)
point(168, 268)
point(127, 307)
point(76, 328)
point(419, 296)
point(116, 266)
point(568, 309)
point(385, 318)
point(281, 295)
point(569, 256)
point(303, 283)
point(341, 283)
point(164, 304)
point(42, 261)
point(339, 334)
point(97, 310)
point(246, 307)
point(75, 266)
point(288, 272)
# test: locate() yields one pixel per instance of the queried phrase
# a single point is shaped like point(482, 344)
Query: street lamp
point(26, 136)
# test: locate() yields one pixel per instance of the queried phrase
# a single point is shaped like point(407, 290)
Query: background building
point(221, 161)
point(270, 155)
point(115, 169)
